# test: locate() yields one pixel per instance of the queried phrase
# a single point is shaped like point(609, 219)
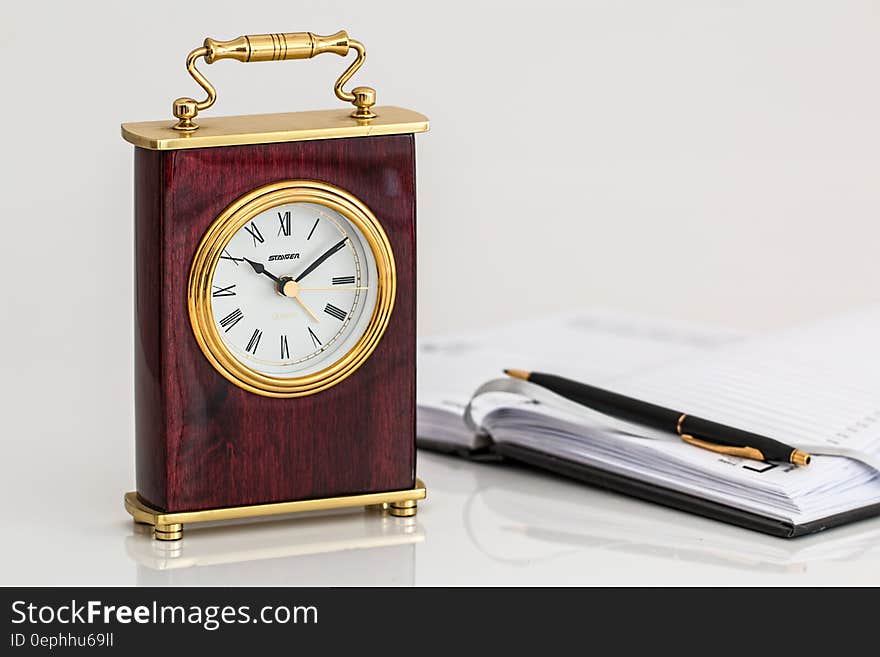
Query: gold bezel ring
point(218, 235)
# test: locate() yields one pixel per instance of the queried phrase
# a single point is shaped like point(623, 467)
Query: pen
point(693, 430)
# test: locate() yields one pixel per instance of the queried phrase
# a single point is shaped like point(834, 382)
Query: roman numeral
point(313, 228)
point(231, 319)
point(223, 291)
point(255, 233)
point(343, 280)
point(284, 220)
point(285, 350)
point(228, 256)
point(333, 311)
point(254, 342)
point(315, 341)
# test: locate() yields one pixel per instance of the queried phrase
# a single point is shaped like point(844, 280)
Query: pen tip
point(800, 458)
point(518, 374)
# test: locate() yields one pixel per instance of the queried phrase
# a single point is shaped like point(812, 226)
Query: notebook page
point(816, 387)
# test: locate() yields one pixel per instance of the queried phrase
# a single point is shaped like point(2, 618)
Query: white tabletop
point(481, 524)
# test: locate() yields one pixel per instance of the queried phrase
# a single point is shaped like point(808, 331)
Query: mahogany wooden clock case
point(275, 303)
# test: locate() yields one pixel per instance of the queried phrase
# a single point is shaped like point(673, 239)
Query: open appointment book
point(816, 387)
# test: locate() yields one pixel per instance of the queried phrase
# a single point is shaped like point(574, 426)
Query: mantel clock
point(275, 302)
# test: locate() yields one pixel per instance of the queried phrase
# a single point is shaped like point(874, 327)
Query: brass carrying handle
point(271, 48)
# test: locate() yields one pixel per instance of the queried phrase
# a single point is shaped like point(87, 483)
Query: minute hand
point(329, 252)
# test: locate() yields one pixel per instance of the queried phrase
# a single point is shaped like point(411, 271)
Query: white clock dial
point(294, 290)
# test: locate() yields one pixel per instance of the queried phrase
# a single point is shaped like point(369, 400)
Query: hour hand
point(260, 269)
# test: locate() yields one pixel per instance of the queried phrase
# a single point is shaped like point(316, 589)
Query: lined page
point(816, 387)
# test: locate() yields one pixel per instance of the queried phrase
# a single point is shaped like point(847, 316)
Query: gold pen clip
point(743, 452)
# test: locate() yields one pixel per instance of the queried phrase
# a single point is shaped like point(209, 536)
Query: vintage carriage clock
point(275, 302)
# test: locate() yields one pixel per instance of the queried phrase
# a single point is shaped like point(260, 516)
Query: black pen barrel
point(609, 403)
point(721, 434)
point(666, 419)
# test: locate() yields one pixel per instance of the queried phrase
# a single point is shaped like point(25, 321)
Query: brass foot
point(172, 532)
point(403, 509)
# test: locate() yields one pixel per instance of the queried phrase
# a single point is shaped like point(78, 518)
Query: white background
point(716, 161)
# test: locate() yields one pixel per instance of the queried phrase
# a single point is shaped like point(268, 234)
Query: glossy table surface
point(483, 524)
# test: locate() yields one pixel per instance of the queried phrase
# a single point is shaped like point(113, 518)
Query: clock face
point(293, 290)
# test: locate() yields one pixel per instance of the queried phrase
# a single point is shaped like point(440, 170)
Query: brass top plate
point(273, 128)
